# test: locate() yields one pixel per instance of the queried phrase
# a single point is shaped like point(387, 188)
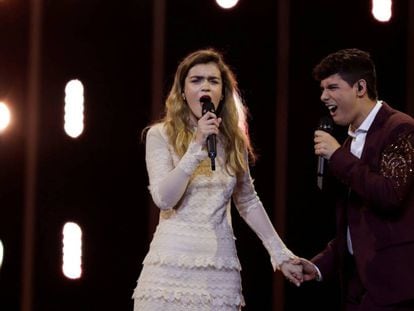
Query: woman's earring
point(183, 95)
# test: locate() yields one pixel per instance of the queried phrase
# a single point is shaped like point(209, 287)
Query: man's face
point(341, 99)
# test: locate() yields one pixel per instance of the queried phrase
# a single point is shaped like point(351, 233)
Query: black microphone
point(207, 105)
point(325, 124)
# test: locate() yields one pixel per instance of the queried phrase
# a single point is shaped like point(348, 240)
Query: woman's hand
point(293, 271)
point(208, 124)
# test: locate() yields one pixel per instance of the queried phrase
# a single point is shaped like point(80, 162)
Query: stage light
point(5, 116)
point(382, 10)
point(227, 4)
point(72, 250)
point(74, 108)
point(1, 253)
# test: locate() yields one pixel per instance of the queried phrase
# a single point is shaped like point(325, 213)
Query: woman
point(192, 263)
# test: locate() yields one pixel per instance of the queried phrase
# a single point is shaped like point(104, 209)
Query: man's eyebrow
point(329, 85)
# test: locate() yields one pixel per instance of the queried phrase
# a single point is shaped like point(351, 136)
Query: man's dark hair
point(351, 65)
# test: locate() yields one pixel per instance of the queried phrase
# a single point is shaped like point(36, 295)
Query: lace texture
point(151, 305)
point(192, 158)
point(202, 289)
point(278, 252)
point(192, 262)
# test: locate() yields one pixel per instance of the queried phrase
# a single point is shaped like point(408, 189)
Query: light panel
point(5, 116)
point(382, 10)
point(72, 250)
point(227, 4)
point(74, 108)
point(1, 253)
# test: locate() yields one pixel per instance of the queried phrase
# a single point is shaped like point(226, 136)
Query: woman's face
point(202, 80)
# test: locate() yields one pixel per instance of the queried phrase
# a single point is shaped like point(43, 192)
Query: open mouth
point(332, 108)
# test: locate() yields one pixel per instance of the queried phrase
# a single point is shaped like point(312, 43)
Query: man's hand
point(309, 270)
point(325, 144)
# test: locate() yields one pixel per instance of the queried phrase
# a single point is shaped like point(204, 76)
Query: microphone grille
point(326, 124)
point(207, 105)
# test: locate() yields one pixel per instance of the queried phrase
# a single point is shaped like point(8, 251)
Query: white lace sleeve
point(251, 209)
point(167, 182)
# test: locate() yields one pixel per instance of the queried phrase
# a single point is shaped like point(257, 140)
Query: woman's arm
point(167, 183)
point(252, 211)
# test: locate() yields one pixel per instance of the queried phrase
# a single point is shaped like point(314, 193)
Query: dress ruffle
point(202, 288)
point(193, 261)
point(189, 298)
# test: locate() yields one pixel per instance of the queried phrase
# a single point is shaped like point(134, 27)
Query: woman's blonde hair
point(233, 128)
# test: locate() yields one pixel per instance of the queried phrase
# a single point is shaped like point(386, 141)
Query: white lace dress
point(192, 263)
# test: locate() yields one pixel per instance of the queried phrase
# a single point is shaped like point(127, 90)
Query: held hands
point(309, 270)
point(325, 144)
point(208, 124)
point(293, 271)
point(299, 270)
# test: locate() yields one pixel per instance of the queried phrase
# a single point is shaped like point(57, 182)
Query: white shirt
point(357, 145)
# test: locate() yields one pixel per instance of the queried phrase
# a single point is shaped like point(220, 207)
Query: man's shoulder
point(395, 118)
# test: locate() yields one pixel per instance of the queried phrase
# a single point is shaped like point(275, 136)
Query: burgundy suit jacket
point(378, 208)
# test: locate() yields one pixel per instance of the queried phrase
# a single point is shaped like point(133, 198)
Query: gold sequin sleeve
point(397, 163)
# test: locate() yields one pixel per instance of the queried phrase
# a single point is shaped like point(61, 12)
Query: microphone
point(325, 124)
point(207, 105)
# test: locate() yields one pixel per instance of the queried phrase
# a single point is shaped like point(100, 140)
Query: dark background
point(99, 180)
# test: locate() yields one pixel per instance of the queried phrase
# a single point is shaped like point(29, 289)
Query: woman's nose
point(206, 85)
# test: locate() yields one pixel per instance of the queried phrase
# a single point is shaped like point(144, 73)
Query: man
point(373, 251)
